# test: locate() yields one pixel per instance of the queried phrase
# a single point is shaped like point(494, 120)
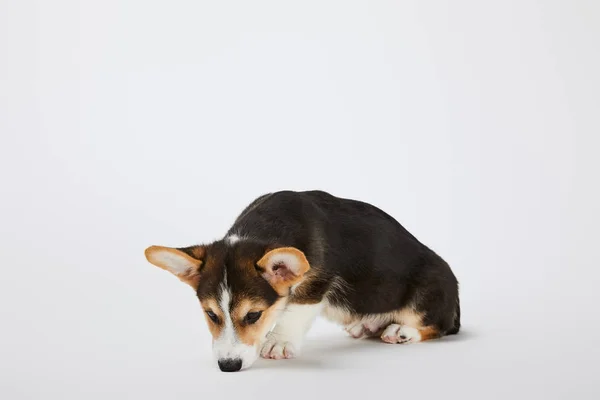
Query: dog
point(291, 256)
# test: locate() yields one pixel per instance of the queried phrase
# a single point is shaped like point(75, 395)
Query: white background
point(130, 123)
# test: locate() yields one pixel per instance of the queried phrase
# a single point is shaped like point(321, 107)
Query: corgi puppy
point(291, 256)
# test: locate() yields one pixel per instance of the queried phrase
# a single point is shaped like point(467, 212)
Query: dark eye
point(252, 317)
point(212, 316)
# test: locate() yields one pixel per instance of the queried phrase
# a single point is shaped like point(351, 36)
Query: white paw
point(362, 329)
point(356, 330)
point(277, 349)
point(395, 333)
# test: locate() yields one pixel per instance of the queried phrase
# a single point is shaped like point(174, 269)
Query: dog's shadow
point(337, 351)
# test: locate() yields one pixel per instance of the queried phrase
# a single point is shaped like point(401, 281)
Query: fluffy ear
point(283, 267)
point(184, 263)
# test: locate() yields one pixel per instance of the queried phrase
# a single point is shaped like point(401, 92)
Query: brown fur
point(211, 304)
point(251, 334)
point(304, 293)
point(428, 333)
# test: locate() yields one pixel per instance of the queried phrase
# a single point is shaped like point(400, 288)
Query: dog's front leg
point(285, 340)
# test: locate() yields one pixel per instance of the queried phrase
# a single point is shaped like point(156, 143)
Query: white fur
point(294, 286)
point(285, 341)
point(411, 334)
point(174, 263)
point(372, 322)
point(228, 345)
point(289, 260)
point(395, 333)
point(356, 330)
point(339, 315)
point(233, 238)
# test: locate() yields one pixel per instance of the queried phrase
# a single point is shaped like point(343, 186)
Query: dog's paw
point(359, 330)
point(277, 350)
point(356, 330)
point(395, 333)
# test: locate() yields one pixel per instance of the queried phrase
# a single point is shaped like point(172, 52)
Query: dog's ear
point(283, 267)
point(184, 263)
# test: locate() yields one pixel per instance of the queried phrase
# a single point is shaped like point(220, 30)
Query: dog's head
point(242, 288)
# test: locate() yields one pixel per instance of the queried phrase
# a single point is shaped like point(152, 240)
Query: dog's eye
point(212, 316)
point(252, 317)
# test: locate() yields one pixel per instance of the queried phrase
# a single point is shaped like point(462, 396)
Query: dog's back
point(363, 262)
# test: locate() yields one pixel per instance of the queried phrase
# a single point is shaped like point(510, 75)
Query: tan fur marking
point(408, 316)
point(251, 334)
point(248, 334)
point(245, 306)
point(212, 305)
point(428, 333)
point(338, 315)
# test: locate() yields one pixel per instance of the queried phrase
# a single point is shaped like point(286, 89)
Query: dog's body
point(311, 253)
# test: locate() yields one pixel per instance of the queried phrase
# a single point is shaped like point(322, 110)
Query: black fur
point(383, 267)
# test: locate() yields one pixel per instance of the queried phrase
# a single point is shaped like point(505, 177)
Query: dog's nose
point(230, 364)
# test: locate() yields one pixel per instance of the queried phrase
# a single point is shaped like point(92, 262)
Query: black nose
point(230, 364)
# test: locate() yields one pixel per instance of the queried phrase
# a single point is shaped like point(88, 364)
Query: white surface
point(125, 124)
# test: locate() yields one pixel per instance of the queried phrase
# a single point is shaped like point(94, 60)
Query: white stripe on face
point(228, 345)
